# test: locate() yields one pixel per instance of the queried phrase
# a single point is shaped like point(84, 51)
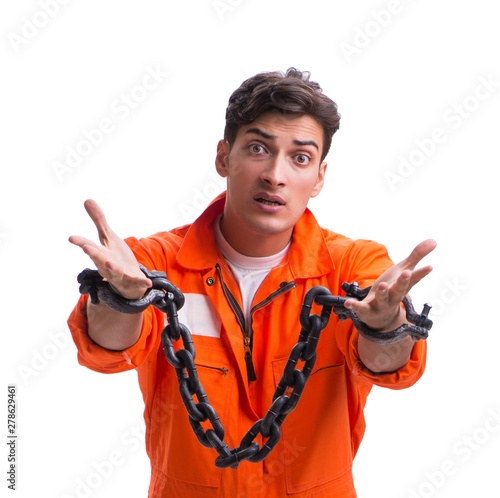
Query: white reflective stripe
point(200, 316)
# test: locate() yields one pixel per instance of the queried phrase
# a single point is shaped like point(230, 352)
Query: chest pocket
point(316, 443)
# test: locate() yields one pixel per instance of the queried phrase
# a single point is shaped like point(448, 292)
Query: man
point(244, 267)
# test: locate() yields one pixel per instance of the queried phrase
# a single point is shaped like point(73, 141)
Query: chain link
point(169, 299)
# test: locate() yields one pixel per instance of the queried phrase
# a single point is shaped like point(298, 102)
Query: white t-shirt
point(248, 271)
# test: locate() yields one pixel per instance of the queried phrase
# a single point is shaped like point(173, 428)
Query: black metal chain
point(169, 299)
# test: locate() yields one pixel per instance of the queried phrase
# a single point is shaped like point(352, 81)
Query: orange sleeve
point(363, 263)
point(103, 360)
point(405, 377)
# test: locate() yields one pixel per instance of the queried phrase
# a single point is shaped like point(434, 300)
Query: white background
point(399, 71)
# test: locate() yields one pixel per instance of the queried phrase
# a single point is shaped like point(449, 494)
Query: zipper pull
point(248, 360)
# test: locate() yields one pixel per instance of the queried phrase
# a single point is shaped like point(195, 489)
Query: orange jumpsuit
point(321, 436)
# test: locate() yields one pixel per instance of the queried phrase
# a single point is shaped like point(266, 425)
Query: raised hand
point(381, 307)
point(113, 258)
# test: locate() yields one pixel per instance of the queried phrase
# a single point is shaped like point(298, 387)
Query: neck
point(254, 244)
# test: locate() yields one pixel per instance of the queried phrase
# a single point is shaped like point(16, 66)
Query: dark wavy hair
point(290, 93)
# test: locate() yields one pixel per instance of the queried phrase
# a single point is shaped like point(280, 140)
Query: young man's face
point(273, 168)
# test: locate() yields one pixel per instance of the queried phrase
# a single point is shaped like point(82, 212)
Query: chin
point(275, 228)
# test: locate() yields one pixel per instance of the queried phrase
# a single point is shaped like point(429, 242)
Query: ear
point(320, 181)
point(221, 158)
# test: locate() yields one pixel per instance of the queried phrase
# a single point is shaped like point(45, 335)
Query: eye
point(302, 159)
point(257, 148)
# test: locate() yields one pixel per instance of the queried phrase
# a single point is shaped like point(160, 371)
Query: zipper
point(284, 287)
point(247, 334)
point(247, 338)
point(232, 300)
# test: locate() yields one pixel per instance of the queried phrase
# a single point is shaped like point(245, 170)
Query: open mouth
point(268, 202)
point(268, 199)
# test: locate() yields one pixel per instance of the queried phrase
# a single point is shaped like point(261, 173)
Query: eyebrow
point(267, 136)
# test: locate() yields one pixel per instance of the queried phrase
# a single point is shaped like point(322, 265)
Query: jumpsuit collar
point(305, 260)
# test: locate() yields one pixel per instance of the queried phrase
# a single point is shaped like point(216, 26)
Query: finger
point(97, 216)
point(93, 251)
point(382, 292)
point(418, 275)
point(351, 304)
point(401, 286)
point(81, 241)
point(406, 280)
point(96, 254)
point(419, 252)
point(107, 269)
point(379, 293)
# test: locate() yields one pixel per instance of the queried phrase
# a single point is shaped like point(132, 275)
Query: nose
point(274, 175)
